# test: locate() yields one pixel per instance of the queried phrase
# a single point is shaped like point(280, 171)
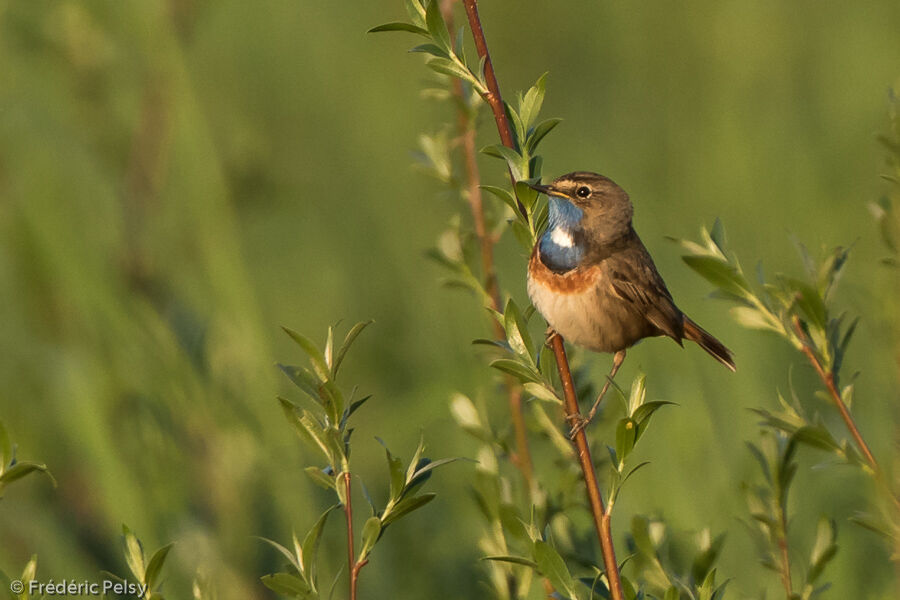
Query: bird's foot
point(550, 334)
point(577, 422)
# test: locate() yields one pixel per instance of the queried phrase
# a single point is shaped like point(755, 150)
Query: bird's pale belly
point(593, 317)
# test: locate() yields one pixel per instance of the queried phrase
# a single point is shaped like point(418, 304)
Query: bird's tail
point(714, 347)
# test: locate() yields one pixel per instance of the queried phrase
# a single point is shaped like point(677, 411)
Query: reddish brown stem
point(827, 377)
point(492, 97)
point(352, 565)
point(583, 452)
point(486, 241)
point(595, 500)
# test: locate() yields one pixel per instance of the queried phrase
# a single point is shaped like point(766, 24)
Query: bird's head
point(604, 207)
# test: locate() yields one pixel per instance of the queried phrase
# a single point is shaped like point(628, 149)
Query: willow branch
point(583, 452)
point(352, 565)
point(827, 377)
point(492, 97)
point(466, 127)
point(601, 517)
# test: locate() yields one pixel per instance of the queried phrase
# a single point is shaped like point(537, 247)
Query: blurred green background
point(178, 179)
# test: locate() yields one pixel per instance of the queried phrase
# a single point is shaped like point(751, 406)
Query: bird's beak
point(544, 189)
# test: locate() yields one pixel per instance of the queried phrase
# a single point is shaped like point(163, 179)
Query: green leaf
point(542, 392)
point(645, 411)
point(521, 372)
point(810, 303)
point(552, 566)
point(533, 100)
point(817, 437)
point(310, 545)
point(517, 331)
point(753, 318)
point(516, 560)
point(449, 67)
point(348, 341)
point(406, 506)
point(720, 274)
point(626, 435)
point(504, 195)
point(514, 160)
point(434, 21)
point(154, 567)
point(134, 553)
point(315, 356)
point(823, 550)
point(539, 132)
point(20, 470)
point(317, 436)
point(395, 468)
point(284, 551)
point(303, 379)
point(286, 585)
point(432, 465)
point(370, 534)
point(431, 49)
point(398, 26)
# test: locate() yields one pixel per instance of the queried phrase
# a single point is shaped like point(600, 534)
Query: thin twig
point(827, 377)
point(601, 517)
point(352, 565)
point(785, 556)
point(583, 451)
point(492, 97)
point(466, 126)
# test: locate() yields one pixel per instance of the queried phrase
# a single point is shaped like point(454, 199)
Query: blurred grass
point(178, 179)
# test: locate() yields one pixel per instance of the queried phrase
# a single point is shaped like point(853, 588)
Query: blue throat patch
point(564, 220)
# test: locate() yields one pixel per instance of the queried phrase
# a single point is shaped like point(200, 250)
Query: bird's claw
point(550, 334)
point(578, 422)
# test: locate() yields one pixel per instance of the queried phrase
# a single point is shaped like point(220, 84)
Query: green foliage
point(779, 305)
point(768, 505)
point(326, 431)
point(27, 576)
point(147, 574)
point(671, 567)
point(303, 581)
point(10, 468)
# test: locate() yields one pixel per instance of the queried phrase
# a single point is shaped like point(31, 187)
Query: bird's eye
point(583, 191)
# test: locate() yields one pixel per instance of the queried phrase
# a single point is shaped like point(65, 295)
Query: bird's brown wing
point(634, 278)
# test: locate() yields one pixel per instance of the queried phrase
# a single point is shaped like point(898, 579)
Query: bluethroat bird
point(593, 280)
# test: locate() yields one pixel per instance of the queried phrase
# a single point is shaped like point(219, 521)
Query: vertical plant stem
point(352, 567)
point(583, 451)
point(466, 127)
point(601, 516)
point(785, 556)
point(492, 97)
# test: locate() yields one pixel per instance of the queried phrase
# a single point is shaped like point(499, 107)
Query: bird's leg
point(618, 359)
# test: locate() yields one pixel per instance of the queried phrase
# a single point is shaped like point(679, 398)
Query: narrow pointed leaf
point(310, 545)
point(552, 566)
point(406, 506)
point(315, 356)
point(348, 341)
point(370, 534)
point(398, 26)
point(154, 567)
